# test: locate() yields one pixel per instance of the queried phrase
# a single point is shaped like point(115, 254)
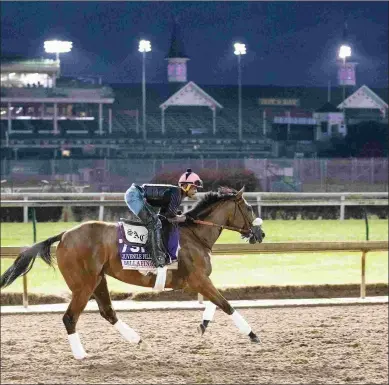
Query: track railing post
point(25, 293)
point(259, 206)
point(342, 199)
point(101, 209)
point(25, 211)
point(363, 274)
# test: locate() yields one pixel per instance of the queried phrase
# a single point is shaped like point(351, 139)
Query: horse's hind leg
point(103, 300)
point(203, 285)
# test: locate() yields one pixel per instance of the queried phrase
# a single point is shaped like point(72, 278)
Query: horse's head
point(227, 207)
point(242, 216)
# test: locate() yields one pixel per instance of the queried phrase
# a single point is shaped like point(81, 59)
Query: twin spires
point(177, 58)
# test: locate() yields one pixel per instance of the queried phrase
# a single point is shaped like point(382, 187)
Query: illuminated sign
point(290, 120)
point(279, 102)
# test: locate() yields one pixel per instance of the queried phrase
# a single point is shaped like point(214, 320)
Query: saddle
point(133, 247)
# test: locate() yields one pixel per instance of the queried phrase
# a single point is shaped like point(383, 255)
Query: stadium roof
point(310, 98)
point(16, 58)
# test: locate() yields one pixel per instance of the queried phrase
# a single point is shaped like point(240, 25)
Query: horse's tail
point(25, 261)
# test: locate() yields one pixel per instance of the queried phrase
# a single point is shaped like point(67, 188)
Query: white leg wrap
point(240, 323)
point(128, 333)
point(209, 311)
point(76, 345)
point(161, 278)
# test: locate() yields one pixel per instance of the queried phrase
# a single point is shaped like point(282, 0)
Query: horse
point(87, 253)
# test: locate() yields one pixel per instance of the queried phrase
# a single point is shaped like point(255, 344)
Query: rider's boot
point(154, 226)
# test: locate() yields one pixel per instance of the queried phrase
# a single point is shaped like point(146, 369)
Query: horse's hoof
point(201, 329)
point(254, 338)
point(142, 345)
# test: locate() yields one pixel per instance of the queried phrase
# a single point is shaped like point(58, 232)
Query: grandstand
point(45, 116)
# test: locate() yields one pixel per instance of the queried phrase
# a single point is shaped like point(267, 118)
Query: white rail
point(277, 247)
point(258, 199)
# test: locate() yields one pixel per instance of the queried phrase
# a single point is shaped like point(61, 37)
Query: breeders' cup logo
point(136, 236)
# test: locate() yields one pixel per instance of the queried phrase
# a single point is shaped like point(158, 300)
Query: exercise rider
point(145, 200)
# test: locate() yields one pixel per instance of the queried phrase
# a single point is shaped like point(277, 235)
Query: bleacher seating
point(22, 126)
point(42, 126)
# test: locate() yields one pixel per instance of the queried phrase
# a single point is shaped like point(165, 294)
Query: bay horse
point(89, 251)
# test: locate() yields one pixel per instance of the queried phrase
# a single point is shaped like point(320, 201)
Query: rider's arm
point(174, 204)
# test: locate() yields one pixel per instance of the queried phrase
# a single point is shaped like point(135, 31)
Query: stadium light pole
point(344, 53)
point(57, 47)
point(144, 46)
point(240, 49)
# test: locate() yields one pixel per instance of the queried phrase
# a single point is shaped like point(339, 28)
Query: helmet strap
point(187, 188)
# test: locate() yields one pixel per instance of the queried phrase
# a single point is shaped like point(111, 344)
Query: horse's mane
point(222, 194)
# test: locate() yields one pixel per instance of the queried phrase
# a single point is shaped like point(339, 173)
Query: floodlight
point(144, 46)
point(58, 46)
point(240, 49)
point(344, 51)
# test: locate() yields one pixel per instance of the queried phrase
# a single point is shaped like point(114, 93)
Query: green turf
point(265, 269)
point(21, 234)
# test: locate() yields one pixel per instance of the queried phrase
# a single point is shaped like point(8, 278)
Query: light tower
point(144, 46)
point(346, 68)
point(239, 50)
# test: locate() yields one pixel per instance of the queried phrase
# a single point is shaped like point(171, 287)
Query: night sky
point(288, 43)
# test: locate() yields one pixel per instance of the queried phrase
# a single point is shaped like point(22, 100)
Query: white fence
point(242, 249)
point(259, 200)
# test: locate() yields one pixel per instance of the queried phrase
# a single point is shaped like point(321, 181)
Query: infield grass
point(229, 271)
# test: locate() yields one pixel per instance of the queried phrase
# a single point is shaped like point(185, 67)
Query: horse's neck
point(217, 216)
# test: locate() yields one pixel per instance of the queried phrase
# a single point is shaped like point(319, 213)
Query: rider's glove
point(178, 219)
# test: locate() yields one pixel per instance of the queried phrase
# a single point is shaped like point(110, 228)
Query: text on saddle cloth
point(133, 250)
point(135, 233)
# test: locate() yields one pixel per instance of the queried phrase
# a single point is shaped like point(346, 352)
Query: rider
point(141, 200)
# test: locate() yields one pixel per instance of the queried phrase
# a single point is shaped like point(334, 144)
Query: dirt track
point(323, 345)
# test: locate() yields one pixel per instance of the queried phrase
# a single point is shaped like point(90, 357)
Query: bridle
point(243, 231)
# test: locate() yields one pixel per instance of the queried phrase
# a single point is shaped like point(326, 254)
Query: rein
point(238, 229)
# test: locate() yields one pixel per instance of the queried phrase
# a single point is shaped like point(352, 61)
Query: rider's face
point(192, 191)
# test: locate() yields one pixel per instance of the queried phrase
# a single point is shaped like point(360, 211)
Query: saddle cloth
point(133, 248)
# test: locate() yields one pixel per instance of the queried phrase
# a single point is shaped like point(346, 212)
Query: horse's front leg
point(208, 315)
point(203, 285)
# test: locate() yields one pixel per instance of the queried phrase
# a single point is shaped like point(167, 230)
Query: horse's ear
point(239, 194)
